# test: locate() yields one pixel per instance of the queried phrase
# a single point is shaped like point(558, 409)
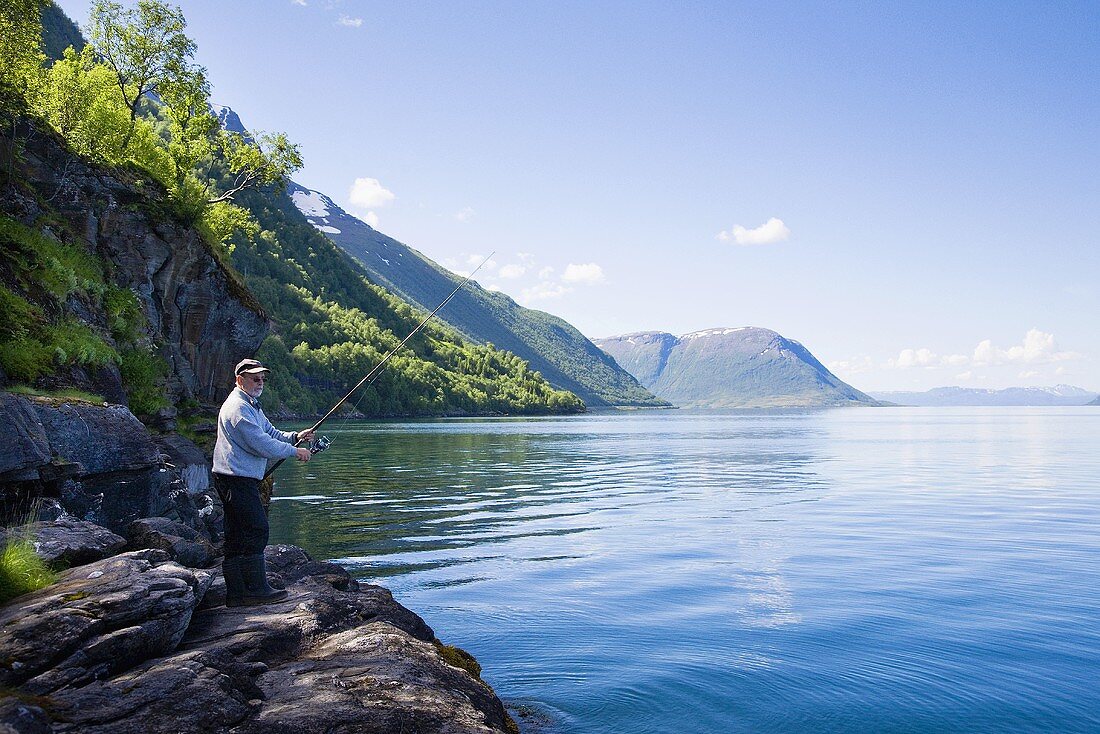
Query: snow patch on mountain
point(311, 203)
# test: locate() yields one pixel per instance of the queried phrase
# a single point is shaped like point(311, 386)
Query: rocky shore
point(133, 636)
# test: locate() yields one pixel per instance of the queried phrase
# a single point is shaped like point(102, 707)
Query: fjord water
point(852, 570)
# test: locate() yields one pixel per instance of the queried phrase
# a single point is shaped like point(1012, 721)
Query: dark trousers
point(245, 520)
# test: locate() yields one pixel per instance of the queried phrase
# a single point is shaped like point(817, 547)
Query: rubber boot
point(256, 588)
point(234, 582)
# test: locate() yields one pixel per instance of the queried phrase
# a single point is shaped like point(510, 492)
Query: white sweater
point(246, 438)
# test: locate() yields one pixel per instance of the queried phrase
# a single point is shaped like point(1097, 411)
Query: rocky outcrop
point(202, 318)
point(122, 646)
point(97, 620)
point(66, 542)
point(181, 542)
point(102, 465)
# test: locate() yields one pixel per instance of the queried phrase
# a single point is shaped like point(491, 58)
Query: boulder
point(184, 544)
point(103, 439)
point(324, 659)
point(22, 715)
point(97, 620)
point(69, 542)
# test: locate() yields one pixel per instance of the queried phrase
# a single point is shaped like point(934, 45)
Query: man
point(246, 442)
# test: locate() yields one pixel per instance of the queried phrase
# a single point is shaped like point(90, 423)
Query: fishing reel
point(319, 444)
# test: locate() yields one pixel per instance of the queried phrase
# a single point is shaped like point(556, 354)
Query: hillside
point(553, 347)
point(120, 275)
point(949, 396)
point(730, 368)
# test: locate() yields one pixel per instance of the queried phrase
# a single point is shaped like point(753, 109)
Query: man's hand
point(306, 435)
point(303, 454)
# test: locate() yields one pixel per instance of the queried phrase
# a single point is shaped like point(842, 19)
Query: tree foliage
point(135, 96)
point(20, 51)
point(144, 45)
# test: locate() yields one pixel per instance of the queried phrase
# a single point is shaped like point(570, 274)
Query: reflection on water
point(854, 570)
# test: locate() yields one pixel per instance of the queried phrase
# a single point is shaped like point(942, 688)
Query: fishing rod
point(322, 443)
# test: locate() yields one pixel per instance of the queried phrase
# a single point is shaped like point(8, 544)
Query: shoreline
point(133, 636)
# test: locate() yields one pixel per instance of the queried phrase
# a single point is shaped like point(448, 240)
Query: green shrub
point(124, 316)
point(21, 569)
point(76, 344)
point(25, 359)
point(143, 376)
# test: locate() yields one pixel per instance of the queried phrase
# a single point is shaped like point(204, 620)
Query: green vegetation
point(459, 658)
point(65, 395)
point(21, 569)
point(40, 277)
point(552, 346)
point(335, 325)
point(332, 324)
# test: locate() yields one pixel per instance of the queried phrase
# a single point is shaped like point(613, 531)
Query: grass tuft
point(21, 569)
point(459, 658)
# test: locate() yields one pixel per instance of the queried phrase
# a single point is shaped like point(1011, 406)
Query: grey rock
point(322, 660)
point(22, 715)
point(69, 542)
point(26, 447)
point(184, 544)
point(188, 460)
point(97, 620)
point(102, 439)
point(202, 319)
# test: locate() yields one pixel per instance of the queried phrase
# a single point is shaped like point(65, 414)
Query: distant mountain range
point(552, 346)
point(730, 368)
point(948, 396)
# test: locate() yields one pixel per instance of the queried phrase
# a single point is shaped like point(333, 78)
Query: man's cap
point(249, 367)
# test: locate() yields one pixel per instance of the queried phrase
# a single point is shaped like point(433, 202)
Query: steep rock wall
point(203, 320)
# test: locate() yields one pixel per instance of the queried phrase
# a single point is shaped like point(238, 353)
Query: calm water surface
point(859, 570)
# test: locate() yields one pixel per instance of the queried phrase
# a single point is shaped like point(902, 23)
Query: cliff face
point(201, 320)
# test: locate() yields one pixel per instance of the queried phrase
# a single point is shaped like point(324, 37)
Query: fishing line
point(320, 444)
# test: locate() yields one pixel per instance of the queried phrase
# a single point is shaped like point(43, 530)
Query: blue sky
point(909, 189)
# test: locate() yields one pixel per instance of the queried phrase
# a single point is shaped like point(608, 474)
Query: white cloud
point(589, 273)
point(955, 360)
point(965, 376)
point(853, 366)
point(511, 271)
point(544, 291)
point(916, 358)
point(1038, 347)
point(347, 20)
point(371, 218)
point(1028, 374)
point(768, 233)
point(525, 257)
point(303, 3)
point(369, 193)
point(465, 215)
point(475, 259)
point(546, 272)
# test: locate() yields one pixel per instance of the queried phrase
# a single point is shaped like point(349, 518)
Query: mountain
point(1095, 402)
point(948, 396)
point(115, 287)
point(730, 368)
point(552, 346)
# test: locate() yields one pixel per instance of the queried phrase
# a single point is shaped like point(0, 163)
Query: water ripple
point(866, 570)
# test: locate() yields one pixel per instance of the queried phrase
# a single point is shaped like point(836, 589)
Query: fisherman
point(246, 441)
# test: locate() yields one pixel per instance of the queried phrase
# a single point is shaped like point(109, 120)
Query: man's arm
point(257, 441)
